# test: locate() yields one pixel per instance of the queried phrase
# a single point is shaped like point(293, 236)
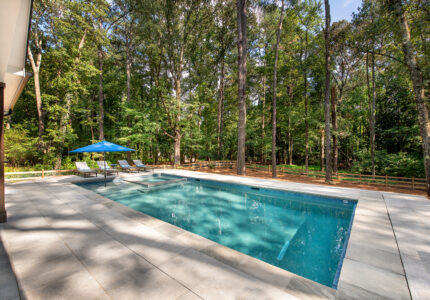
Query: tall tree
point(417, 83)
point(275, 71)
point(241, 74)
point(38, 15)
point(328, 165)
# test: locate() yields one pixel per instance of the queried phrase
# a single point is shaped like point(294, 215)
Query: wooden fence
point(30, 175)
point(412, 183)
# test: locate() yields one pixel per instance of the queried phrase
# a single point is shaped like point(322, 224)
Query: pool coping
point(349, 286)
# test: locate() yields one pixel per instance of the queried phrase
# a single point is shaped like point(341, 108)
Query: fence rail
point(413, 183)
point(17, 176)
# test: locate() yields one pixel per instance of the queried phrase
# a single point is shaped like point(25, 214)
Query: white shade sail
point(14, 27)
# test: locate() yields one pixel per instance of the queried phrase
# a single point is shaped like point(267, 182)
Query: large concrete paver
point(122, 254)
point(8, 284)
point(410, 218)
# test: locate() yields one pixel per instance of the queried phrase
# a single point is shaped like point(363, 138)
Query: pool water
point(303, 234)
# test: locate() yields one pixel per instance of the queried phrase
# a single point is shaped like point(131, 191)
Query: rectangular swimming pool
point(301, 233)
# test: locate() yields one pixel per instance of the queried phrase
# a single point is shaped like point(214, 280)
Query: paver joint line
point(400, 253)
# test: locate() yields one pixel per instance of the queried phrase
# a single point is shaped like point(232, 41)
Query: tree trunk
point(373, 116)
point(306, 124)
point(35, 65)
point(178, 138)
point(290, 137)
point(328, 171)
point(322, 149)
point(128, 73)
point(263, 121)
point(305, 78)
point(221, 110)
point(178, 135)
point(418, 86)
point(334, 126)
point(241, 49)
point(101, 110)
point(275, 73)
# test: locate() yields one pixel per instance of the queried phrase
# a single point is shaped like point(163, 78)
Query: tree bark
point(275, 73)
point(241, 49)
point(128, 83)
point(221, 110)
point(305, 92)
point(328, 170)
point(35, 65)
point(322, 150)
point(178, 135)
point(263, 121)
point(334, 127)
point(373, 117)
point(418, 86)
point(290, 136)
point(101, 109)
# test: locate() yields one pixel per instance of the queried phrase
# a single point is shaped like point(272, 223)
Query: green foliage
point(174, 51)
point(394, 164)
point(20, 147)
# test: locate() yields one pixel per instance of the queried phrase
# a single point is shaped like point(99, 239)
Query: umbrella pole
point(105, 164)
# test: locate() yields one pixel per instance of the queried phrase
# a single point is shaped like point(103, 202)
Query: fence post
point(43, 173)
point(360, 178)
point(283, 169)
point(413, 183)
point(386, 180)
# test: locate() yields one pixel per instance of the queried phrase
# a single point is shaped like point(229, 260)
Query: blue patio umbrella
point(104, 147)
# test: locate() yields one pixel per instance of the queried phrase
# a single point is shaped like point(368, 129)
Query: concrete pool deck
point(63, 241)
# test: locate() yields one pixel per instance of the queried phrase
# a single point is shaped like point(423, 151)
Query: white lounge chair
point(83, 169)
point(124, 166)
point(138, 163)
point(104, 165)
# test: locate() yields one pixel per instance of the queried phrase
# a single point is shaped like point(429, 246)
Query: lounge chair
point(83, 169)
point(103, 164)
point(124, 166)
point(142, 166)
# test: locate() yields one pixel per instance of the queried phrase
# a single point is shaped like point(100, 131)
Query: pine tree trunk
point(306, 124)
point(101, 109)
point(263, 121)
point(305, 79)
point(275, 73)
point(328, 170)
point(290, 137)
point(35, 65)
point(128, 83)
point(373, 116)
point(322, 149)
point(178, 138)
point(418, 86)
point(221, 111)
point(178, 134)
point(334, 126)
point(241, 49)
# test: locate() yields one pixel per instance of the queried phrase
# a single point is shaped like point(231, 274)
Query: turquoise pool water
point(303, 234)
